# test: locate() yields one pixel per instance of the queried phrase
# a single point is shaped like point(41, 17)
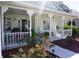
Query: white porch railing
point(12, 39)
point(67, 32)
point(44, 30)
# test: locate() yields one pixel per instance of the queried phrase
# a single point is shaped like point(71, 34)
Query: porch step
point(61, 52)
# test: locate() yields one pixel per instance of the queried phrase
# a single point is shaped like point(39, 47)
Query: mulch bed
point(73, 46)
point(6, 53)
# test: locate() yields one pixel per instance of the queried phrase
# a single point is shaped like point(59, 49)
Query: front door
point(24, 25)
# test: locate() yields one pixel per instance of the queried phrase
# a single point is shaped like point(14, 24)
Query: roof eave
point(37, 8)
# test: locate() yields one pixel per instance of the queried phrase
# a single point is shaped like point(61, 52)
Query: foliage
point(78, 31)
point(19, 54)
point(33, 33)
point(33, 40)
point(15, 30)
point(66, 26)
point(73, 23)
point(37, 47)
point(46, 34)
point(75, 31)
point(35, 52)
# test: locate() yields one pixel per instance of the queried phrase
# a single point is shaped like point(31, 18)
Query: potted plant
point(46, 35)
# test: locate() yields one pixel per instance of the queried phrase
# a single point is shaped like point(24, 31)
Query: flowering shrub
point(35, 52)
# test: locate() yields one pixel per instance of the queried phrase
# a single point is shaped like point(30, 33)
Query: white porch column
point(3, 9)
point(50, 18)
point(63, 18)
point(0, 40)
point(30, 13)
point(71, 25)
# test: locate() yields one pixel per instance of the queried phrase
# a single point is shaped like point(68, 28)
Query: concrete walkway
point(63, 53)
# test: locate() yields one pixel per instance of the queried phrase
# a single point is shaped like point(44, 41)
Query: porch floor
point(72, 46)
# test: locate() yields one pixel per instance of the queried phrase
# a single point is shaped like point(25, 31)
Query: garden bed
point(36, 48)
point(8, 53)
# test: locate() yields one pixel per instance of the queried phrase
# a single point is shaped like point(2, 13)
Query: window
point(46, 25)
point(7, 24)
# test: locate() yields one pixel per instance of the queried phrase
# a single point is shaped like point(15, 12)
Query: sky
point(72, 5)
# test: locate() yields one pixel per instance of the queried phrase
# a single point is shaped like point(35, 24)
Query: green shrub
point(75, 31)
point(15, 30)
point(31, 42)
point(37, 53)
point(78, 31)
point(66, 26)
point(46, 33)
point(73, 23)
point(33, 33)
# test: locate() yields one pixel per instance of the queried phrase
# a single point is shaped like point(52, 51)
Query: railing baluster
point(9, 39)
point(18, 37)
point(27, 33)
point(6, 39)
point(23, 37)
point(12, 38)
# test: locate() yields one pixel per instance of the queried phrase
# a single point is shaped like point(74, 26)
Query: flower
point(15, 56)
point(24, 55)
point(20, 50)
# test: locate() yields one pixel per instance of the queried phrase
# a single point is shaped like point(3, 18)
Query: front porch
point(16, 28)
point(17, 24)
